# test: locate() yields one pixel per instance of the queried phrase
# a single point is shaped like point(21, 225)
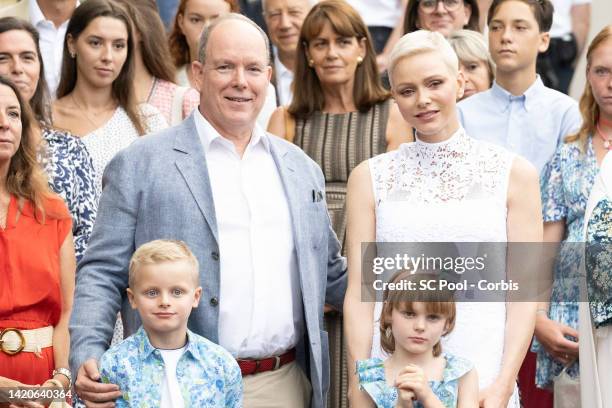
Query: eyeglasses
point(429, 6)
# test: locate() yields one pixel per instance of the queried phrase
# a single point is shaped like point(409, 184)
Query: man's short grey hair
point(230, 16)
point(419, 42)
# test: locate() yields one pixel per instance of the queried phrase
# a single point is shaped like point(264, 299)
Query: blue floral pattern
point(209, 377)
point(371, 375)
point(71, 175)
point(598, 261)
point(566, 184)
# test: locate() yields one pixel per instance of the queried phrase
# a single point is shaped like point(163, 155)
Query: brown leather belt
point(248, 367)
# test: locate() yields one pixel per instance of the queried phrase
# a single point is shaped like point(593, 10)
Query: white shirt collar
point(280, 68)
point(208, 134)
point(36, 14)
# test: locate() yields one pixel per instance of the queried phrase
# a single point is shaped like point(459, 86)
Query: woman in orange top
point(37, 260)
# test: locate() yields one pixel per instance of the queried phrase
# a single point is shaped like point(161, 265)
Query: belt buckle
point(277, 362)
point(21, 340)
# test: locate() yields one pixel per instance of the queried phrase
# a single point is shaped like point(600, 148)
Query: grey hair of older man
point(230, 16)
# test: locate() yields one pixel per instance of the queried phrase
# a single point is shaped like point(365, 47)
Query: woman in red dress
point(37, 260)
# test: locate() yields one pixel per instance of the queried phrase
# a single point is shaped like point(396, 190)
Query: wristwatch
point(65, 372)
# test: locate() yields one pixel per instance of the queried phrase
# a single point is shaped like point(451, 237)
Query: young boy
point(519, 112)
point(164, 364)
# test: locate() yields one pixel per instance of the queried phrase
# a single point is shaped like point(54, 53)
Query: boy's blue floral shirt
point(208, 375)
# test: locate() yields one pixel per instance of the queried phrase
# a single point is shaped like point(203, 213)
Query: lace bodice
point(453, 191)
point(449, 191)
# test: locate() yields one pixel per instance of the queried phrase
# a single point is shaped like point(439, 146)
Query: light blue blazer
point(159, 187)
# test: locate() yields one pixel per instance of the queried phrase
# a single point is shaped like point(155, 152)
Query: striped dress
point(338, 143)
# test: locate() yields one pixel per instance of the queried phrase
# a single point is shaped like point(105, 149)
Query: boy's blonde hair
point(440, 302)
point(158, 251)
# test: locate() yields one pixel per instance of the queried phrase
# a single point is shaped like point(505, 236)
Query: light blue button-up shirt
point(208, 376)
point(531, 125)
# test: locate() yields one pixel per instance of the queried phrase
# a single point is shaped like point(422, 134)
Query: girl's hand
point(412, 380)
point(552, 335)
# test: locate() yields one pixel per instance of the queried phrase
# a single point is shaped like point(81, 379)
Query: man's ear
point(197, 70)
point(544, 42)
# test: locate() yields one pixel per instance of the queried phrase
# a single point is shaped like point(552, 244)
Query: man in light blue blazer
point(250, 206)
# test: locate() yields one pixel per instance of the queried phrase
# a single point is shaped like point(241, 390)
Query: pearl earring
point(311, 62)
point(359, 60)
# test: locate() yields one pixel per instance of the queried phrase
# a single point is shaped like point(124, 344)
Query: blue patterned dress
point(71, 175)
point(566, 184)
point(371, 374)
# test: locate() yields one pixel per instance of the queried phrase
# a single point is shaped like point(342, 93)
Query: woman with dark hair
point(64, 157)
point(443, 16)
point(36, 291)
point(154, 72)
point(96, 96)
point(340, 115)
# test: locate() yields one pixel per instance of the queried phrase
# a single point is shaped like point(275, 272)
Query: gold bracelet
point(55, 382)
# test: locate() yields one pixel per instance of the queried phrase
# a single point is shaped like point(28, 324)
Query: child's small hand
point(404, 398)
point(412, 379)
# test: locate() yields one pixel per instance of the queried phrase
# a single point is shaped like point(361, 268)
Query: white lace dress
point(453, 191)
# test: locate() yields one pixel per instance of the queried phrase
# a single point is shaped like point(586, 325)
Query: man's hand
point(551, 335)
point(93, 393)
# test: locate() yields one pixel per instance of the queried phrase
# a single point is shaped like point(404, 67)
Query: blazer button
point(214, 301)
point(215, 255)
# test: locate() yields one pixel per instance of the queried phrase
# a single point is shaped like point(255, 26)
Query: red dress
point(30, 295)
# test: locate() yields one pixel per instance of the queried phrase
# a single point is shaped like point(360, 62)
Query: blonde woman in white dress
point(444, 187)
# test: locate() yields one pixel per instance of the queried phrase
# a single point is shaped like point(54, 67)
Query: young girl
point(417, 374)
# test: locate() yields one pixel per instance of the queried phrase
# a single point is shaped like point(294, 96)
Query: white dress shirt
point(51, 44)
point(260, 302)
point(284, 78)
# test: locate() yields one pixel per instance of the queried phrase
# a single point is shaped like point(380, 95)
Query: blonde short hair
point(158, 251)
point(420, 42)
point(470, 46)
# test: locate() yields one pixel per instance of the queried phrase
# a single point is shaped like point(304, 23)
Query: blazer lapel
point(295, 197)
point(191, 163)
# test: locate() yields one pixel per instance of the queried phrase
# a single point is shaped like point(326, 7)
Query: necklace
point(95, 124)
point(606, 141)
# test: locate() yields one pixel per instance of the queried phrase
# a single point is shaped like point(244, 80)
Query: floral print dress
point(566, 184)
point(371, 375)
point(71, 175)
